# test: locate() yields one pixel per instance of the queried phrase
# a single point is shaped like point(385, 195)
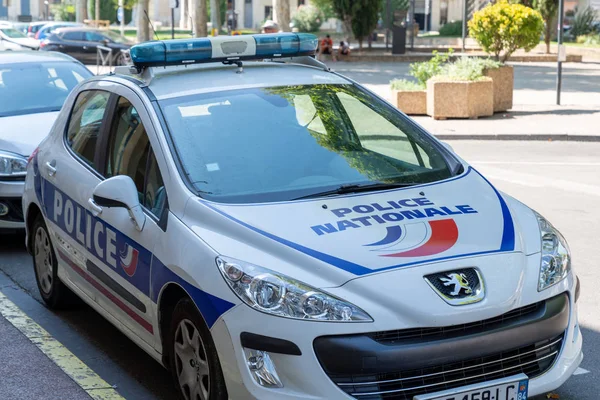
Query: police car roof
point(168, 82)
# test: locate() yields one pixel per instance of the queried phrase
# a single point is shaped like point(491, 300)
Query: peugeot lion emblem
point(459, 287)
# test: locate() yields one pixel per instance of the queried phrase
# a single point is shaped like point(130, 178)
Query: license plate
point(513, 388)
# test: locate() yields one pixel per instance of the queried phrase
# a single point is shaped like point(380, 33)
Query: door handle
point(51, 168)
point(94, 207)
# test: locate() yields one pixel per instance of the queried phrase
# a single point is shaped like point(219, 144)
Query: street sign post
point(173, 4)
point(561, 49)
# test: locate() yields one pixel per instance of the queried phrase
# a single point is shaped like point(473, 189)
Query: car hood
point(27, 42)
point(326, 242)
point(21, 134)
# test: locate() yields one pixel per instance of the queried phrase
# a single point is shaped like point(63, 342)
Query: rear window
point(28, 88)
point(282, 143)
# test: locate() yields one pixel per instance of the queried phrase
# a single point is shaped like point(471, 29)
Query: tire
point(195, 359)
point(45, 266)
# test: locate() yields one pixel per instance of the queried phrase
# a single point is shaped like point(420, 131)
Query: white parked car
point(33, 87)
point(13, 39)
point(273, 230)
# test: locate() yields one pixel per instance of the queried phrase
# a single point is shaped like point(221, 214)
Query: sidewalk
point(534, 116)
point(26, 373)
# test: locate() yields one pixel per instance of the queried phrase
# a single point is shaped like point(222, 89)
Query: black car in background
point(81, 43)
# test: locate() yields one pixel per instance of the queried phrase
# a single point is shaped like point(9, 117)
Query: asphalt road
point(561, 180)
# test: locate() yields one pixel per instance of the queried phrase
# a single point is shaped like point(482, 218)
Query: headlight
point(12, 164)
point(556, 257)
point(277, 294)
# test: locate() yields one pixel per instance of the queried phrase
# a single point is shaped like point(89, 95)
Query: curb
point(530, 137)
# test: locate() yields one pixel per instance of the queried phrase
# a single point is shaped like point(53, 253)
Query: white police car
point(272, 230)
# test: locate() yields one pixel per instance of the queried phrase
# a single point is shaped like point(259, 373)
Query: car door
point(104, 255)
point(128, 152)
point(72, 44)
point(90, 48)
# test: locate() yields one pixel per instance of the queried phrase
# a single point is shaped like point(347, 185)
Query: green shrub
point(423, 71)
point(63, 12)
point(453, 28)
point(583, 23)
point(467, 69)
point(591, 39)
point(406, 85)
point(502, 28)
point(308, 19)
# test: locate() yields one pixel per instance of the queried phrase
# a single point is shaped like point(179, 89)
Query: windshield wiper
point(355, 188)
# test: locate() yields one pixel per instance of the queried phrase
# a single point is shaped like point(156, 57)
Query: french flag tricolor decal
point(418, 240)
point(129, 259)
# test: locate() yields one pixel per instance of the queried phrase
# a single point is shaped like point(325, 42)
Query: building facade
point(26, 10)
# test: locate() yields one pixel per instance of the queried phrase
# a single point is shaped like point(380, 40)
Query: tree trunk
point(360, 42)
point(143, 29)
point(199, 13)
point(97, 12)
point(347, 27)
point(215, 14)
point(548, 35)
point(282, 14)
point(183, 15)
point(90, 8)
point(80, 11)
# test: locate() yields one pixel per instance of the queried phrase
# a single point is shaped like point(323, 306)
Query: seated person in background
point(326, 46)
point(344, 49)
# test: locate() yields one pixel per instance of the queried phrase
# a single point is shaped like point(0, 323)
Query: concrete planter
point(460, 99)
point(411, 102)
point(504, 81)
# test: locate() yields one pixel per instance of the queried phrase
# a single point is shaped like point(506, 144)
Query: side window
point(73, 35)
point(85, 123)
point(130, 154)
point(93, 37)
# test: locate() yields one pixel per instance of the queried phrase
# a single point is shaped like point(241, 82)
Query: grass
point(165, 34)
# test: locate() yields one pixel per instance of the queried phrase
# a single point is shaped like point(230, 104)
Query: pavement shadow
point(520, 113)
point(543, 77)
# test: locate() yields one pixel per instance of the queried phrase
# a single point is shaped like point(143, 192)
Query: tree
point(358, 17)
point(143, 29)
point(199, 13)
point(325, 6)
point(282, 14)
point(502, 28)
point(548, 9)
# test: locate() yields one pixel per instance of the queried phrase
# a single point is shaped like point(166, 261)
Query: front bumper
point(11, 193)
point(328, 358)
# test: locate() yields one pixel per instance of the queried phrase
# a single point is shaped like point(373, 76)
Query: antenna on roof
point(151, 26)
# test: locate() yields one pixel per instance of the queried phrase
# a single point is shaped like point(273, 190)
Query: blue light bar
point(223, 48)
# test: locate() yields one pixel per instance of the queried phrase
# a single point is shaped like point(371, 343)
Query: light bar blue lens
point(148, 54)
point(188, 51)
point(308, 44)
point(193, 51)
point(285, 44)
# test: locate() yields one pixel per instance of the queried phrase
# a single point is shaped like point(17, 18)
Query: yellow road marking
point(96, 387)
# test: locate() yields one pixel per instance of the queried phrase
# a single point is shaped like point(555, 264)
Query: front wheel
point(194, 362)
point(54, 293)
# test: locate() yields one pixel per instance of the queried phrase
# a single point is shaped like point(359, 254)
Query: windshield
point(283, 143)
point(115, 37)
point(13, 33)
point(28, 88)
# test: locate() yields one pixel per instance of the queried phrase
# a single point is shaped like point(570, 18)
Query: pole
point(97, 13)
point(561, 8)
point(122, 23)
point(426, 28)
point(464, 23)
point(389, 24)
point(412, 24)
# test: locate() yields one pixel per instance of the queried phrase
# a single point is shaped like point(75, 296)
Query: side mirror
point(118, 191)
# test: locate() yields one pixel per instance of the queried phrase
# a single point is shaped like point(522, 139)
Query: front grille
point(15, 209)
point(420, 334)
point(532, 360)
